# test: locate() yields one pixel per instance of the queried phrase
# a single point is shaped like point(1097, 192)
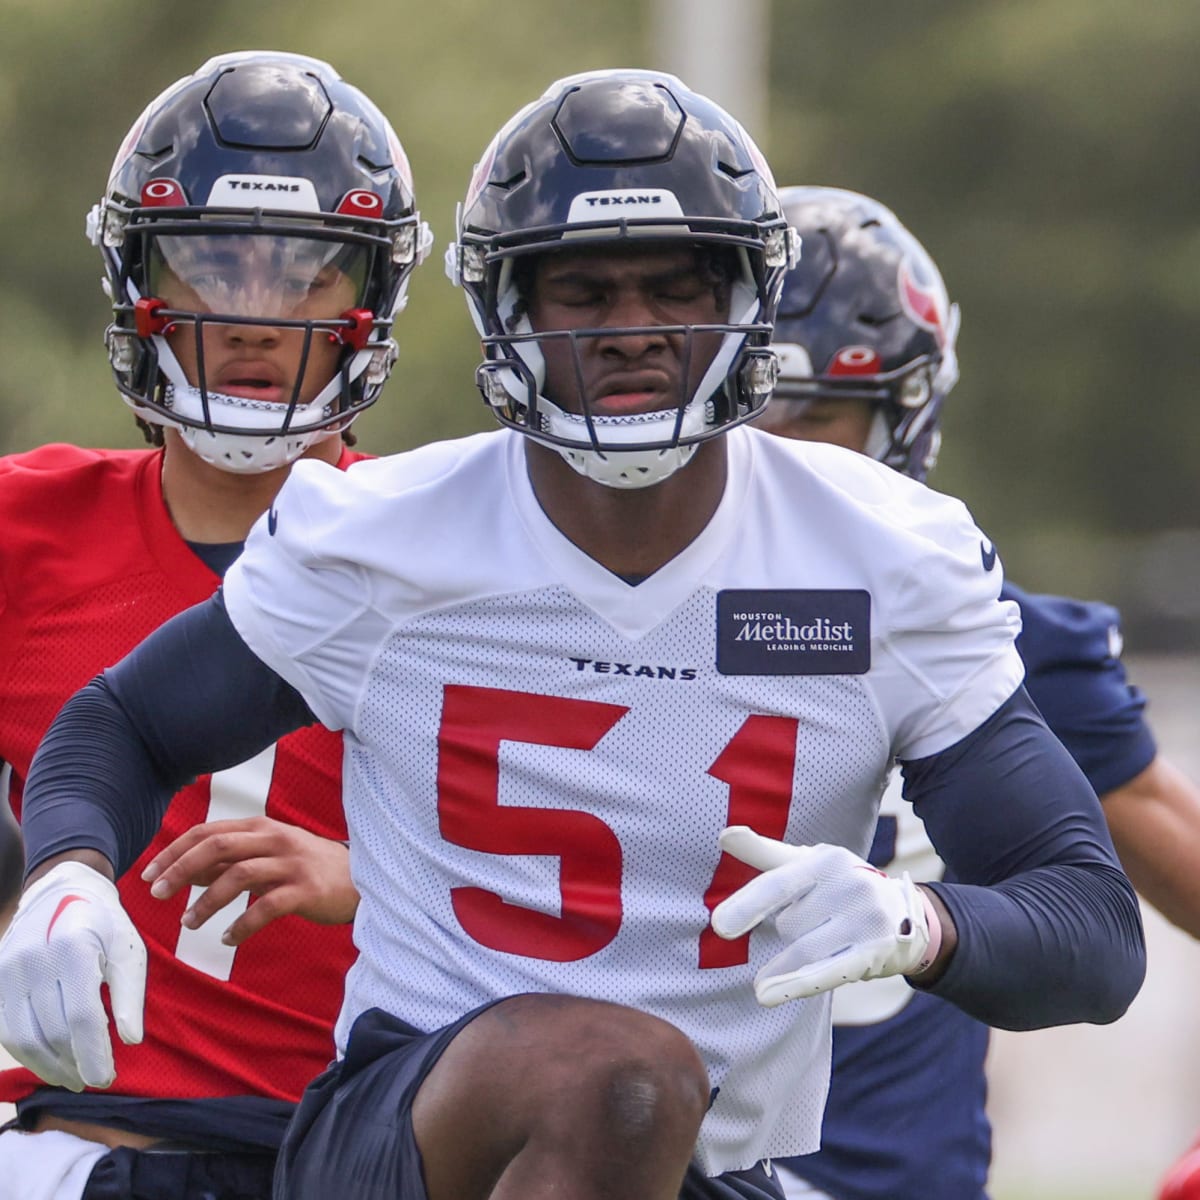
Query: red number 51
point(757, 764)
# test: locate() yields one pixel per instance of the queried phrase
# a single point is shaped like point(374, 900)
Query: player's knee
point(590, 1061)
point(645, 1101)
point(646, 1078)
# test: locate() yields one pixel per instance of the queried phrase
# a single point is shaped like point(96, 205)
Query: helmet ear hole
point(621, 156)
point(897, 349)
point(222, 167)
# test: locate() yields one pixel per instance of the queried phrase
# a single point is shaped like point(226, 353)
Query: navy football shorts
point(128, 1174)
point(352, 1134)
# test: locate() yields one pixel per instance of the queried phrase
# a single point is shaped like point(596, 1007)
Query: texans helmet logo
point(923, 300)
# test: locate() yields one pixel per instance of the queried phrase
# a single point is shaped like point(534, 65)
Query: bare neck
point(212, 506)
point(629, 531)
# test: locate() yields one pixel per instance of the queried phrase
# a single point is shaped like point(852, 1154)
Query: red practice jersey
point(90, 563)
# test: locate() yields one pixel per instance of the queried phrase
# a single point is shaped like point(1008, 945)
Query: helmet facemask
point(637, 449)
point(294, 303)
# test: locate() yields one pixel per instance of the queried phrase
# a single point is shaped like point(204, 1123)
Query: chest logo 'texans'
point(794, 632)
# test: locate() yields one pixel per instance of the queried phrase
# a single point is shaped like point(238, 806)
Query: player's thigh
point(535, 1062)
point(558, 1084)
point(352, 1134)
point(503, 1072)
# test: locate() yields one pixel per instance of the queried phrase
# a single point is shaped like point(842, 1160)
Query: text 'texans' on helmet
point(262, 191)
point(628, 155)
point(865, 314)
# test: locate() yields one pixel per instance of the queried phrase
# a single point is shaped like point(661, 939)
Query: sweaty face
point(607, 290)
point(841, 422)
point(259, 276)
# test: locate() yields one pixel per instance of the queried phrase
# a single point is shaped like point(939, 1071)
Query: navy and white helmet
point(865, 315)
point(623, 155)
point(272, 154)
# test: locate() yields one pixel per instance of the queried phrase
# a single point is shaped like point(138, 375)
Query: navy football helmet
point(243, 194)
point(621, 155)
point(865, 315)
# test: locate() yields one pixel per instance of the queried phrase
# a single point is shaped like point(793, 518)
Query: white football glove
point(845, 919)
point(70, 935)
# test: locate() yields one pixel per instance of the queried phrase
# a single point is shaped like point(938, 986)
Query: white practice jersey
point(540, 756)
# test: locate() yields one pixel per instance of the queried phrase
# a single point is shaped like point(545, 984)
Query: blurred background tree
point(1034, 147)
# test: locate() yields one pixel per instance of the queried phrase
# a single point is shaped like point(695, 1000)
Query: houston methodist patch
point(793, 632)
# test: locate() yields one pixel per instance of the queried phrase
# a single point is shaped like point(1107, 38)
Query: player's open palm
point(70, 935)
point(844, 920)
point(288, 869)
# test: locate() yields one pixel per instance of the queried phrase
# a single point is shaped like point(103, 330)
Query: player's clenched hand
point(289, 869)
point(68, 936)
point(844, 919)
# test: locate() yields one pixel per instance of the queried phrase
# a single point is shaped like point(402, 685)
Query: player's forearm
point(1048, 925)
point(1053, 946)
point(91, 787)
point(1154, 820)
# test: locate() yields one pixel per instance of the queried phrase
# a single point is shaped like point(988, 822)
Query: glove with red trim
point(69, 936)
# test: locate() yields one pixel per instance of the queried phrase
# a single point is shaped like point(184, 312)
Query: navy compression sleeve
point(1049, 928)
point(191, 699)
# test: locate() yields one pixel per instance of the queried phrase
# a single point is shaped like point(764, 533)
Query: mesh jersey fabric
point(522, 728)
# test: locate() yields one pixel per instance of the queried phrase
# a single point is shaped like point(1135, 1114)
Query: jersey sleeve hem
point(976, 699)
point(255, 631)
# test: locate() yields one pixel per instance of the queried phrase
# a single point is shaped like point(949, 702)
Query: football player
point(866, 339)
point(617, 722)
point(257, 231)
